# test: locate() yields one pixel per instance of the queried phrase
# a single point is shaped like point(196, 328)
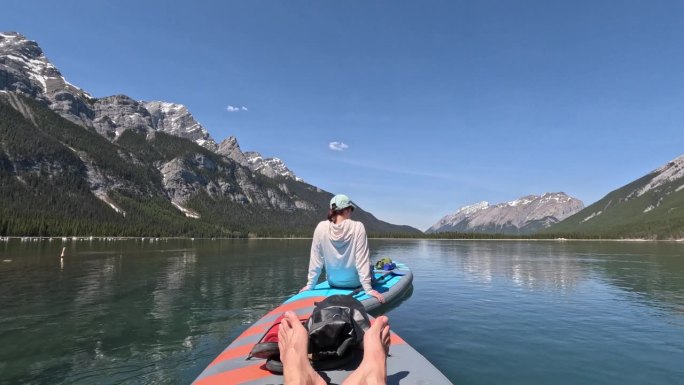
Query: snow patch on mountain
point(175, 119)
point(459, 216)
point(593, 215)
point(20, 55)
point(186, 211)
point(101, 195)
point(468, 210)
point(271, 167)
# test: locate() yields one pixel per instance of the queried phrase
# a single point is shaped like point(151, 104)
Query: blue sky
point(440, 103)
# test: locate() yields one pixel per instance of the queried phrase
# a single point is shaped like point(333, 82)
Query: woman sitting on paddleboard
point(341, 245)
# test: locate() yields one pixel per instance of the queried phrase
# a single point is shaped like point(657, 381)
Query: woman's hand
point(305, 288)
point(377, 296)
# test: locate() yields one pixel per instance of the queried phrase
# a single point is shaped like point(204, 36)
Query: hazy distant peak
point(523, 215)
point(473, 208)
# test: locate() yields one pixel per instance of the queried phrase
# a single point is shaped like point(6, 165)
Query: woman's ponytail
point(333, 213)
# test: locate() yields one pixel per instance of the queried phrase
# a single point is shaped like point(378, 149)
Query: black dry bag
point(337, 324)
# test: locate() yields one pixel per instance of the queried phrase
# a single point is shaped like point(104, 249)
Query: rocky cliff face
point(112, 115)
point(25, 68)
point(230, 148)
point(660, 178)
point(129, 151)
point(175, 119)
point(271, 167)
point(521, 216)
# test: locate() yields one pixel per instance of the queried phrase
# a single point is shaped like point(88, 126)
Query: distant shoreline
point(544, 239)
point(159, 239)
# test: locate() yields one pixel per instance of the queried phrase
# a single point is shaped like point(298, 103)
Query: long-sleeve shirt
point(343, 249)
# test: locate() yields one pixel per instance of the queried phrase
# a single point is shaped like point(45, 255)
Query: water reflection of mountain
point(143, 308)
point(159, 312)
point(652, 269)
point(539, 266)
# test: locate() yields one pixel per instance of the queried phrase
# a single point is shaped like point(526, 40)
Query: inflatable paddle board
point(404, 364)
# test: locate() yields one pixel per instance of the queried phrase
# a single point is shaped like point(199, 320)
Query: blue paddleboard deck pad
point(391, 284)
point(404, 365)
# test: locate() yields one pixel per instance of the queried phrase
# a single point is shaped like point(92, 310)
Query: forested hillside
point(58, 178)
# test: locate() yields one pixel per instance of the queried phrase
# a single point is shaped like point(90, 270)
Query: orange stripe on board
point(245, 349)
point(396, 340)
point(299, 304)
point(255, 329)
point(263, 328)
point(236, 376)
point(238, 351)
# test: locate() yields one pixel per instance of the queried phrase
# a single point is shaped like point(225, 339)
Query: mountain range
point(71, 163)
point(650, 207)
point(74, 164)
point(525, 215)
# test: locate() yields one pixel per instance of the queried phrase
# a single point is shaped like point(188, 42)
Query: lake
point(484, 312)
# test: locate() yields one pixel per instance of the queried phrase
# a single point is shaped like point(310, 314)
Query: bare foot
point(373, 368)
point(293, 343)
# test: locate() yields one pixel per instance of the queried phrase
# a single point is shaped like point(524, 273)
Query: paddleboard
point(404, 364)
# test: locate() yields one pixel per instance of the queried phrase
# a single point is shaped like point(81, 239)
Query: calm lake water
point(484, 312)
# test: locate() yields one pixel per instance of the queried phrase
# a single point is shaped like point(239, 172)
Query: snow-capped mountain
point(271, 167)
point(521, 216)
point(650, 206)
point(175, 119)
point(73, 163)
point(24, 68)
point(459, 216)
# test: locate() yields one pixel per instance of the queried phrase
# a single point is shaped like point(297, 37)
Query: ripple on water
point(482, 312)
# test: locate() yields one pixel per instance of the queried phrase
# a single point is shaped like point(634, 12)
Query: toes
point(385, 330)
point(282, 334)
point(292, 321)
point(290, 316)
point(386, 339)
point(285, 325)
point(284, 329)
point(386, 333)
point(379, 324)
point(384, 320)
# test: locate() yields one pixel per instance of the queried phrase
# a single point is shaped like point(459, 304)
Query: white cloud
point(337, 146)
point(231, 108)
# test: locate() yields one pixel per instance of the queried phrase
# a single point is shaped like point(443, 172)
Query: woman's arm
point(315, 260)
